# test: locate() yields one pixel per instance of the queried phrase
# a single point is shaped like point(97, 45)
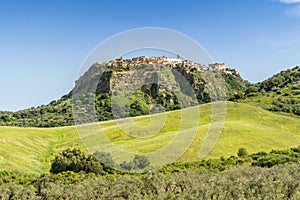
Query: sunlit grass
point(31, 149)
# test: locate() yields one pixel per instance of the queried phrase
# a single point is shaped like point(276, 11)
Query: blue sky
point(43, 43)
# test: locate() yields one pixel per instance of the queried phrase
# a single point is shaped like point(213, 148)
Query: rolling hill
point(279, 93)
point(31, 149)
point(258, 117)
point(99, 82)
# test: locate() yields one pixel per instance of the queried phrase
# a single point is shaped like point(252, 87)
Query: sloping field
point(169, 134)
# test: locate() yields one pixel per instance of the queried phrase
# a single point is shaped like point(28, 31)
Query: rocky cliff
point(143, 85)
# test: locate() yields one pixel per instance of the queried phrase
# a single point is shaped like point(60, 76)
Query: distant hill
point(56, 113)
point(280, 93)
point(101, 78)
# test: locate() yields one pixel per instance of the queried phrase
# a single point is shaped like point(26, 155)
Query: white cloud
point(289, 1)
point(292, 11)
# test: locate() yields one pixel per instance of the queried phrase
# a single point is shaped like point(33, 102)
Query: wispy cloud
point(292, 11)
point(289, 1)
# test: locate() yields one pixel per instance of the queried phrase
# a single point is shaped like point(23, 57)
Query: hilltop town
point(171, 62)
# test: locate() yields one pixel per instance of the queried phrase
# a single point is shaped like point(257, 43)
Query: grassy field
point(31, 149)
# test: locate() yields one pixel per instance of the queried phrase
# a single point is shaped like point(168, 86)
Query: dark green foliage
point(139, 105)
point(213, 165)
point(57, 113)
point(15, 177)
point(138, 163)
point(97, 91)
point(289, 105)
point(273, 159)
point(242, 152)
point(280, 93)
point(249, 183)
point(127, 165)
point(280, 80)
point(206, 179)
point(280, 182)
point(283, 88)
point(235, 86)
point(104, 158)
point(75, 160)
point(276, 157)
point(261, 159)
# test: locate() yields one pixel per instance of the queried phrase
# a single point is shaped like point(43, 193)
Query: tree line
point(75, 174)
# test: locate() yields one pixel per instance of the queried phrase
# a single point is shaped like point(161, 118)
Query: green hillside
point(31, 149)
point(100, 82)
point(280, 93)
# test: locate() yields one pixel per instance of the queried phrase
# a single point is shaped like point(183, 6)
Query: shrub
point(75, 160)
point(104, 158)
point(138, 162)
point(242, 152)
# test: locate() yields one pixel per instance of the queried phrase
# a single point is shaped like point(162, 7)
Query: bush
point(279, 182)
point(104, 158)
point(242, 152)
point(276, 157)
point(75, 160)
point(138, 162)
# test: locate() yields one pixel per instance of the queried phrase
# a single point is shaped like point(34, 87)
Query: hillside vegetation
point(279, 182)
point(280, 93)
point(31, 149)
point(97, 85)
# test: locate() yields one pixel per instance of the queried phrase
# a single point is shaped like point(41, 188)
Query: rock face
point(194, 73)
point(144, 85)
point(145, 81)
